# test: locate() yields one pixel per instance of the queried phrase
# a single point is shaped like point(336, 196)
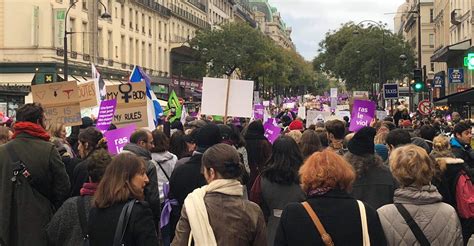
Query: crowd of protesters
point(399, 181)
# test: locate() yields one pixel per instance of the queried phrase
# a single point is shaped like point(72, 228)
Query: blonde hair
point(380, 137)
point(411, 165)
point(55, 129)
point(441, 143)
point(296, 135)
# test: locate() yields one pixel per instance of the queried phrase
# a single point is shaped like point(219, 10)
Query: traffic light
point(419, 85)
point(469, 61)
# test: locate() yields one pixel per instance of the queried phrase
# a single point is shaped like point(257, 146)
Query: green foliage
point(356, 58)
point(237, 47)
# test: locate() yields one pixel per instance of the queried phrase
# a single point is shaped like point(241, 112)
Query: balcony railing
point(151, 4)
point(190, 18)
point(198, 4)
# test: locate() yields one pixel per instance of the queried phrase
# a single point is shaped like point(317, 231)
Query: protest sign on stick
point(131, 104)
point(272, 131)
point(60, 101)
point(118, 138)
point(258, 111)
point(87, 94)
point(106, 114)
point(362, 114)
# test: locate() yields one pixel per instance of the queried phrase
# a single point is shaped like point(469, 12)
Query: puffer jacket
point(438, 221)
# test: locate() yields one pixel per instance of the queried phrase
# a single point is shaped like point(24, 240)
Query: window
point(100, 42)
point(110, 51)
point(122, 49)
point(72, 28)
point(166, 31)
point(431, 40)
point(143, 54)
point(136, 21)
point(122, 15)
point(84, 5)
point(85, 39)
point(149, 25)
point(143, 23)
point(432, 66)
point(160, 59)
point(137, 52)
point(130, 50)
point(431, 15)
point(130, 17)
point(159, 30)
point(150, 56)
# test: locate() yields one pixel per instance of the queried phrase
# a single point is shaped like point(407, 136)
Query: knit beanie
point(363, 142)
point(296, 125)
point(207, 136)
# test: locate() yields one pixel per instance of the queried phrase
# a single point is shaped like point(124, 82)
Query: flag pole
point(227, 99)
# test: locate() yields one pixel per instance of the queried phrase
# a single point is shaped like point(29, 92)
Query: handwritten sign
point(315, 116)
point(61, 102)
point(272, 131)
point(258, 111)
point(131, 104)
point(118, 138)
point(106, 114)
point(362, 113)
point(87, 94)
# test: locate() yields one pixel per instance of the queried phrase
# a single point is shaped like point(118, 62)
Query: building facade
point(153, 34)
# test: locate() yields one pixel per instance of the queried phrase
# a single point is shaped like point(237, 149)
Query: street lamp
point(105, 15)
point(381, 62)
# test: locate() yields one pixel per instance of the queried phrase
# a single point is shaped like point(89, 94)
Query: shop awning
point(455, 50)
point(80, 78)
point(16, 78)
point(463, 97)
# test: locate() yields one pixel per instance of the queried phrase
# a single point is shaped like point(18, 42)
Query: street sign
point(456, 75)
point(424, 107)
point(438, 81)
point(390, 91)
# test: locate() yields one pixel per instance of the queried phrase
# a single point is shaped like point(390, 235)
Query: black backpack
point(30, 210)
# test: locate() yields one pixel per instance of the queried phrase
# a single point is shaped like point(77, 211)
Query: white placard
point(289, 105)
point(266, 103)
point(333, 92)
point(381, 114)
point(302, 112)
point(361, 94)
point(314, 116)
point(342, 107)
point(214, 91)
point(341, 114)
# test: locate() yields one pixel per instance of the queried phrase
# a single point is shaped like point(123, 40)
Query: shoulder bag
point(123, 222)
point(81, 210)
point(363, 220)
point(327, 240)
point(415, 229)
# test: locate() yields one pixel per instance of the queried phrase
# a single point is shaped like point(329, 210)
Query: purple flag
point(106, 114)
point(117, 139)
point(258, 111)
point(272, 131)
point(362, 114)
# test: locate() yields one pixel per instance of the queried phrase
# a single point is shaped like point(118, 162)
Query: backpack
point(465, 196)
point(31, 211)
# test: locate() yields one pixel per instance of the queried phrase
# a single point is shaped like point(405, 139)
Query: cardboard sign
point(60, 101)
point(106, 114)
point(362, 113)
point(315, 116)
point(239, 102)
point(258, 111)
point(272, 131)
point(118, 138)
point(87, 94)
point(302, 112)
point(131, 103)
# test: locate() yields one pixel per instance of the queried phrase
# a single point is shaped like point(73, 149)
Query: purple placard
point(362, 114)
point(258, 111)
point(272, 131)
point(118, 138)
point(106, 114)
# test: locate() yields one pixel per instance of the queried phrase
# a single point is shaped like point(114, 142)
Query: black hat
point(207, 136)
point(363, 142)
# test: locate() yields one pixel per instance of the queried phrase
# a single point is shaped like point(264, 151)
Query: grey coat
point(65, 227)
point(275, 197)
point(438, 221)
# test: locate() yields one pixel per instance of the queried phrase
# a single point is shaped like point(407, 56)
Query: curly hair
point(411, 165)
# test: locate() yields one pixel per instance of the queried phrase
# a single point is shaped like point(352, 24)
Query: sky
point(311, 19)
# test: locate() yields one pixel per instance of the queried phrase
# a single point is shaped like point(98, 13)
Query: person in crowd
point(327, 178)
point(456, 117)
point(278, 184)
point(141, 143)
point(441, 147)
point(5, 134)
point(65, 227)
point(428, 133)
point(89, 141)
point(418, 200)
point(124, 181)
point(286, 117)
point(187, 177)
point(296, 125)
point(420, 142)
point(164, 160)
point(58, 132)
point(295, 135)
point(217, 214)
point(397, 138)
point(323, 137)
point(238, 142)
point(335, 133)
point(23, 214)
point(310, 143)
point(258, 148)
point(178, 146)
point(461, 143)
point(374, 183)
point(380, 145)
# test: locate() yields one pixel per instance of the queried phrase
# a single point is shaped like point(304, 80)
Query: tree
point(357, 59)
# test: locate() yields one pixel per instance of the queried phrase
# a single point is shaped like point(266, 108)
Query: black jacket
point(339, 214)
point(152, 194)
point(463, 151)
point(80, 176)
point(47, 176)
point(140, 230)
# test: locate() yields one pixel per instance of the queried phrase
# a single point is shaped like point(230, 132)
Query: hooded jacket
point(152, 194)
point(462, 151)
point(438, 220)
point(167, 161)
